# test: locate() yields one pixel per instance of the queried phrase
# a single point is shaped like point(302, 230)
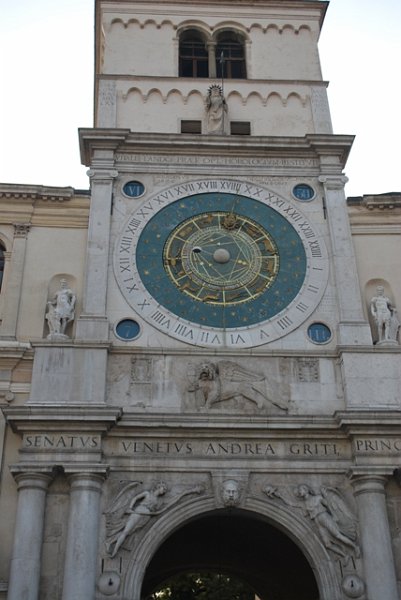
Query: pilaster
point(14, 281)
point(28, 536)
point(378, 560)
point(92, 323)
point(353, 328)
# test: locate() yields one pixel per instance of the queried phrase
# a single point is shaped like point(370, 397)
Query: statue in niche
point(226, 380)
point(216, 109)
point(385, 317)
point(128, 513)
point(336, 524)
point(230, 492)
point(60, 311)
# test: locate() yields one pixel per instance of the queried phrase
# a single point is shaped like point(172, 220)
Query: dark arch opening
point(232, 46)
point(193, 55)
point(237, 543)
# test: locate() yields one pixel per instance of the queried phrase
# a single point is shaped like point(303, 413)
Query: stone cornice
point(44, 206)
point(376, 202)
point(49, 468)
point(224, 6)
point(36, 192)
point(205, 83)
point(67, 418)
point(344, 423)
point(331, 150)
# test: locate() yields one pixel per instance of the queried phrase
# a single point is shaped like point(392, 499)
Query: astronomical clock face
point(221, 263)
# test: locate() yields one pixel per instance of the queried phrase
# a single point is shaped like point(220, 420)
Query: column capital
point(368, 484)
point(32, 480)
point(26, 468)
point(333, 182)
point(21, 230)
point(103, 176)
point(86, 481)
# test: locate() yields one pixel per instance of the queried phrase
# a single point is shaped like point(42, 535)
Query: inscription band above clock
point(220, 263)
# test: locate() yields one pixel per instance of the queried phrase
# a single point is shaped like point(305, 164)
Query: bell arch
point(278, 517)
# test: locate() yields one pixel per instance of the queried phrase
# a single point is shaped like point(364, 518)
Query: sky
point(46, 74)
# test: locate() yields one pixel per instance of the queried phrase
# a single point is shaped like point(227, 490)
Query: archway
point(238, 543)
point(138, 577)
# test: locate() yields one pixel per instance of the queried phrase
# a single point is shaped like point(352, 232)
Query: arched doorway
point(238, 543)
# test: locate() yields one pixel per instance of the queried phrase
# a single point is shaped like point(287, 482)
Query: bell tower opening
point(232, 546)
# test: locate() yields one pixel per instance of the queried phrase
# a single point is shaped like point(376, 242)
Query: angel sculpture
point(126, 516)
point(226, 380)
point(334, 520)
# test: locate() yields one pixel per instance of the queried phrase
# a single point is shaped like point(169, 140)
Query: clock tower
point(220, 371)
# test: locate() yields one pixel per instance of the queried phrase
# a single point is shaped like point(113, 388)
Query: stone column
point(211, 49)
point(92, 323)
point(13, 285)
point(353, 328)
point(82, 537)
point(377, 554)
point(26, 554)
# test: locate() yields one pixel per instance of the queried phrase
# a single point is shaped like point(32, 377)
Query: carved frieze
point(307, 370)
point(217, 383)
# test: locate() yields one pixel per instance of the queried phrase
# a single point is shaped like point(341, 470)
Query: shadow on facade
point(240, 545)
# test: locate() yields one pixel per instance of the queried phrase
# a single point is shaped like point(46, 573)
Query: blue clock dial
point(221, 260)
point(220, 263)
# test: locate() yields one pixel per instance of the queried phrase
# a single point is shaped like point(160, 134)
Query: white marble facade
point(131, 428)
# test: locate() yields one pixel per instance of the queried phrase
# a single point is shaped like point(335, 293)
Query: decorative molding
point(308, 370)
point(375, 229)
point(264, 99)
point(33, 192)
point(333, 182)
point(142, 24)
point(21, 230)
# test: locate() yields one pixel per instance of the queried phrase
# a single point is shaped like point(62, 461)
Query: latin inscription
point(377, 446)
point(217, 160)
point(290, 449)
point(61, 442)
point(220, 449)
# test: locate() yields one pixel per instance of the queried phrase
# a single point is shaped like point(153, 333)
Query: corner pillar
point(92, 324)
point(82, 536)
point(377, 554)
point(353, 327)
point(28, 537)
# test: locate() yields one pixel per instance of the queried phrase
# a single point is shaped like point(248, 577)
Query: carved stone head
point(207, 371)
point(230, 492)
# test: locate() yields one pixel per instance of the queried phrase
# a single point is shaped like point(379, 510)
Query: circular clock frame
point(221, 263)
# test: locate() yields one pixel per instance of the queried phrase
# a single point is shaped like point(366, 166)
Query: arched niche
point(55, 284)
point(370, 291)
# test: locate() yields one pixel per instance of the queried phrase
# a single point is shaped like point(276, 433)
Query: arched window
point(2, 260)
point(193, 55)
point(231, 46)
